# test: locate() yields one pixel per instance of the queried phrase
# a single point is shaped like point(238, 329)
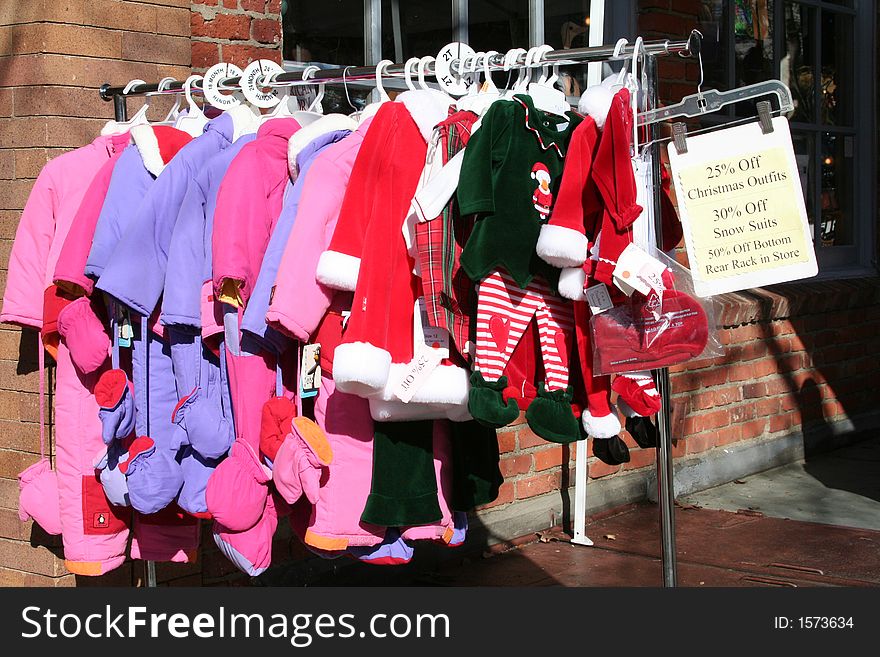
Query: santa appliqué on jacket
point(542, 198)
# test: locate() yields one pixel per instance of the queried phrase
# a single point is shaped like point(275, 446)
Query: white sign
point(742, 209)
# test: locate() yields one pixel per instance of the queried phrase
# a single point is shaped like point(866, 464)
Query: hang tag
point(630, 264)
point(598, 298)
point(125, 332)
point(310, 371)
point(651, 273)
point(423, 363)
point(433, 337)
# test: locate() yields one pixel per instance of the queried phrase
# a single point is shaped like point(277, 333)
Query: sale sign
point(742, 209)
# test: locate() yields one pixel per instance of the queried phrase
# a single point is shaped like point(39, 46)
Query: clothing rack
point(649, 50)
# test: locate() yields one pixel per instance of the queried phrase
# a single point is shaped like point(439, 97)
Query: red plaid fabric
point(449, 294)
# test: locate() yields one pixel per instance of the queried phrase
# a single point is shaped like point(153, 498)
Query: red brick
point(548, 458)
point(14, 194)
point(505, 496)
point(528, 438)
point(61, 39)
point(7, 164)
point(781, 422)
point(157, 48)
point(205, 54)
point(748, 332)
point(754, 428)
point(58, 101)
point(5, 102)
point(273, 7)
point(700, 443)
point(230, 4)
point(211, 3)
point(766, 407)
point(640, 458)
point(257, 6)
point(739, 414)
point(266, 30)
point(599, 469)
point(242, 55)
point(833, 409)
point(506, 441)
point(222, 26)
point(728, 435)
point(537, 485)
point(514, 465)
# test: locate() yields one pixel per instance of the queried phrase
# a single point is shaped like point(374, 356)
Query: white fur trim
point(301, 138)
point(428, 107)
point(113, 128)
point(626, 409)
point(382, 410)
point(447, 385)
point(561, 246)
point(360, 368)
point(606, 426)
point(571, 283)
point(148, 146)
point(596, 101)
point(245, 119)
point(338, 270)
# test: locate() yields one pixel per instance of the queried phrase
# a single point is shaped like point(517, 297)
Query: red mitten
point(638, 396)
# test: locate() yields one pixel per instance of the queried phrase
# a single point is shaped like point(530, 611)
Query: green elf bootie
point(550, 416)
point(486, 403)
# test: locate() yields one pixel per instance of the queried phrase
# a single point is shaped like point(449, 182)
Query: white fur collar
point(113, 128)
point(245, 120)
point(148, 147)
point(428, 107)
point(302, 137)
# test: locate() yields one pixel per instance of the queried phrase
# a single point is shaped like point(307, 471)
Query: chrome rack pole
point(361, 73)
point(120, 111)
point(665, 482)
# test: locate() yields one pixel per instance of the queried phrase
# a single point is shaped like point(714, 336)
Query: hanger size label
point(211, 85)
point(742, 209)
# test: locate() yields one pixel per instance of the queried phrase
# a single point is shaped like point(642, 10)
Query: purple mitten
point(84, 335)
point(207, 430)
point(154, 477)
point(38, 497)
point(393, 551)
point(301, 461)
point(250, 550)
point(236, 492)
point(197, 470)
point(112, 478)
point(115, 396)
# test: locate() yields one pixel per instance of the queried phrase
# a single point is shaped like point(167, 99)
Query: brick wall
point(235, 31)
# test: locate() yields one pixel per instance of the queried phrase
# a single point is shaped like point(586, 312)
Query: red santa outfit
point(368, 254)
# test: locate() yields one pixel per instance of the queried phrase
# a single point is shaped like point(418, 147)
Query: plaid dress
point(450, 298)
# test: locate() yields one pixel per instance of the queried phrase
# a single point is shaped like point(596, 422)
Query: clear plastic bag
point(670, 325)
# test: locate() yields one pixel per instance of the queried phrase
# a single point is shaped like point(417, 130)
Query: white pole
point(594, 76)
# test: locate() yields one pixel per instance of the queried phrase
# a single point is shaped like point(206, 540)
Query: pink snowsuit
point(299, 303)
point(94, 532)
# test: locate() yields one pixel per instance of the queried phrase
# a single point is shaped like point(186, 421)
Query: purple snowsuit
point(135, 275)
point(254, 318)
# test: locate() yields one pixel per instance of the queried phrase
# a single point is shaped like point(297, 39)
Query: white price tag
point(423, 363)
point(631, 263)
point(598, 298)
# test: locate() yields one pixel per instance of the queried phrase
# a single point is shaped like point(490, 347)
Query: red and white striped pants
point(504, 311)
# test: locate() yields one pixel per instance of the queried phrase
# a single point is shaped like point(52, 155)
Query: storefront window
point(415, 28)
point(811, 51)
point(498, 26)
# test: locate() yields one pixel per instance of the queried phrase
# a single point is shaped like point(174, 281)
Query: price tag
point(598, 298)
point(310, 371)
point(742, 209)
point(632, 265)
point(425, 361)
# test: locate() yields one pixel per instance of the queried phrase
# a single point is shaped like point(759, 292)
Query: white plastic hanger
point(380, 67)
point(525, 73)
point(510, 58)
point(140, 116)
point(543, 94)
point(314, 111)
point(194, 121)
point(407, 73)
point(423, 68)
point(174, 112)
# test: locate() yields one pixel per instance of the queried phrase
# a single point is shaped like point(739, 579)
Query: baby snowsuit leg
point(94, 532)
point(598, 419)
point(161, 531)
point(404, 485)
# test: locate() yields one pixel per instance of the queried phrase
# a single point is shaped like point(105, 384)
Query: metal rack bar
point(346, 74)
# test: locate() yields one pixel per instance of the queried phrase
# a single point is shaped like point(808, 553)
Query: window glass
point(415, 28)
point(326, 32)
point(497, 25)
point(712, 25)
point(837, 192)
point(835, 88)
point(796, 65)
point(567, 25)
